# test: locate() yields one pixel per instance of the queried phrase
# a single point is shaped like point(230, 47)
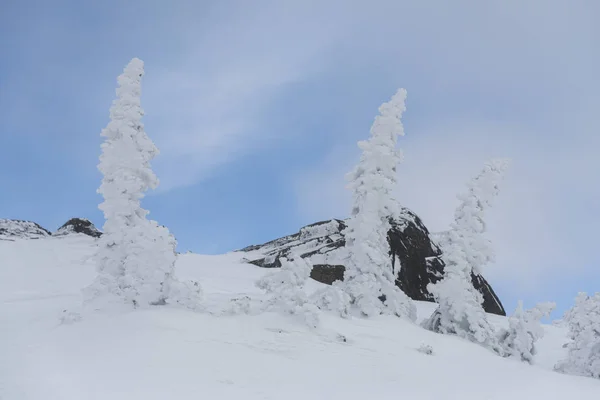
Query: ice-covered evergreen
point(136, 257)
point(524, 330)
point(584, 330)
point(465, 250)
point(369, 278)
point(285, 289)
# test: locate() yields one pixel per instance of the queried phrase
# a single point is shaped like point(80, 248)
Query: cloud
point(208, 106)
point(215, 70)
point(210, 101)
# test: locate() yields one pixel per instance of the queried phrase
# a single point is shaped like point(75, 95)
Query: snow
point(320, 230)
point(11, 229)
point(171, 353)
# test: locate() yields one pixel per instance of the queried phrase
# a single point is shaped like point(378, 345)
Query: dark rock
point(491, 302)
point(11, 229)
point(327, 273)
point(78, 225)
point(410, 244)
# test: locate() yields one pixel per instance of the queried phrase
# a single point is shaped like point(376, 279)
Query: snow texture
point(465, 250)
point(168, 353)
point(319, 230)
point(67, 230)
point(369, 277)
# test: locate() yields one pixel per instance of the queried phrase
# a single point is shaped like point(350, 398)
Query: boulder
point(411, 246)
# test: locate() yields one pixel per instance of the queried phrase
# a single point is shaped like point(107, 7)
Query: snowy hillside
point(168, 353)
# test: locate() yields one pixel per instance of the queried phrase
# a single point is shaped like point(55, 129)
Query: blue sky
point(257, 107)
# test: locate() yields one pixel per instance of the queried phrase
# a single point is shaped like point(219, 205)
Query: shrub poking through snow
point(425, 349)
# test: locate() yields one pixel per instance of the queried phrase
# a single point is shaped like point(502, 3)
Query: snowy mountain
point(167, 352)
point(11, 229)
point(78, 225)
point(411, 244)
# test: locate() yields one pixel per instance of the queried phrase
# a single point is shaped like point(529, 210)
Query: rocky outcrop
point(78, 225)
point(410, 243)
point(11, 229)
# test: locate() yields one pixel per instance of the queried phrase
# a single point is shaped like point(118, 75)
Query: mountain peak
point(78, 225)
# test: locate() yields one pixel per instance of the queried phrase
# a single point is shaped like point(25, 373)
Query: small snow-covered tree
point(582, 315)
point(584, 330)
point(524, 330)
point(285, 288)
point(369, 277)
point(136, 257)
point(332, 298)
point(465, 250)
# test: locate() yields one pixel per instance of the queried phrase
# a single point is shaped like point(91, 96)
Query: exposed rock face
point(78, 225)
point(11, 229)
point(411, 246)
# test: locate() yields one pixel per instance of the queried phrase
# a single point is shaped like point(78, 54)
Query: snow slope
point(167, 353)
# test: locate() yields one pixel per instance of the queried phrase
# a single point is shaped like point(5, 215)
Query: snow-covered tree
point(582, 315)
point(524, 330)
point(332, 298)
point(136, 257)
point(285, 288)
point(465, 250)
point(369, 278)
point(584, 330)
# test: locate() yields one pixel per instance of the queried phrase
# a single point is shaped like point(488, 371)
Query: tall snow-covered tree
point(285, 288)
point(584, 330)
point(524, 330)
point(369, 278)
point(136, 257)
point(465, 250)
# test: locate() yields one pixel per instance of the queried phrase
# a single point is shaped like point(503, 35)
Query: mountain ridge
point(323, 243)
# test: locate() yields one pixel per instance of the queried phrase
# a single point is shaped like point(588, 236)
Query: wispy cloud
point(208, 106)
point(209, 102)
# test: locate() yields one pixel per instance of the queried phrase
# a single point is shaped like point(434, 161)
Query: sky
point(257, 106)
